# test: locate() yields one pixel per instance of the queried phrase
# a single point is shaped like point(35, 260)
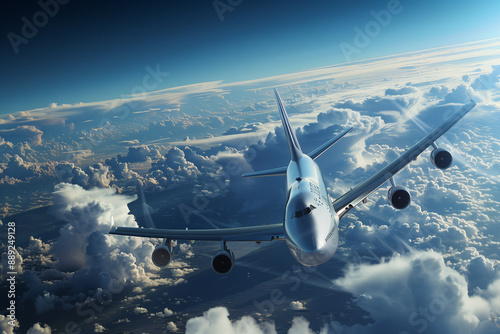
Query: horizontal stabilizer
point(268, 172)
point(321, 149)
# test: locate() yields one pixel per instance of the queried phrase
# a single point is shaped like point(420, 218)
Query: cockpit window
point(304, 212)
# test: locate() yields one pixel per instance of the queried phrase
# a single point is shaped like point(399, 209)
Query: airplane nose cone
point(309, 242)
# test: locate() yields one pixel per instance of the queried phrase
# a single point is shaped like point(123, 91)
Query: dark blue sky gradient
point(98, 50)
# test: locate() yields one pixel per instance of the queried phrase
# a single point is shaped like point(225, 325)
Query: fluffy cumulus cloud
point(488, 81)
point(98, 328)
point(174, 168)
point(416, 292)
point(172, 327)
point(39, 329)
point(457, 95)
point(136, 154)
point(88, 262)
point(437, 92)
point(140, 310)
point(297, 305)
point(394, 103)
point(5, 325)
point(19, 169)
point(97, 175)
point(189, 166)
point(216, 320)
point(23, 133)
point(166, 313)
point(121, 170)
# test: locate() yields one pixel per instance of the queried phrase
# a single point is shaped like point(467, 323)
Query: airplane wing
point(250, 233)
point(364, 189)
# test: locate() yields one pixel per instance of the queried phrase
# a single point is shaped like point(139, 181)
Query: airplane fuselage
point(311, 223)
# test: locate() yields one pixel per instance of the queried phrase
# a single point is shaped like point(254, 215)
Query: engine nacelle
point(399, 197)
point(223, 261)
point(441, 158)
point(162, 255)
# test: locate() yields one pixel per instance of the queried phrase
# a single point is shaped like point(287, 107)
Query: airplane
point(311, 219)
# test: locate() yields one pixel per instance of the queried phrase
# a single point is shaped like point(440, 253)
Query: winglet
point(113, 227)
point(470, 97)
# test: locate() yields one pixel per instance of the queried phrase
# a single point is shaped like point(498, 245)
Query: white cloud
point(216, 320)
point(488, 81)
point(97, 175)
point(136, 154)
point(166, 313)
point(140, 310)
point(417, 292)
point(38, 246)
point(300, 326)
point(5, 327)
point(172, 327)
point(89, 262)
point(297, 306)
point(186, 249)
point(22, 170)
point(98, 328)
point(23, 133)
point(38, 329)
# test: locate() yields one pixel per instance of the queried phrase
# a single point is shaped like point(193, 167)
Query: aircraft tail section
point(293, 143)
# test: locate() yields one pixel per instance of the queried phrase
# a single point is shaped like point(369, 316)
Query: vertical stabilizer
point(293, 143)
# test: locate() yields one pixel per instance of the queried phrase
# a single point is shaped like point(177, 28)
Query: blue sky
point(92, 51)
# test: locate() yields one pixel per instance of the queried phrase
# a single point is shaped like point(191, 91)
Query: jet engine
point(223, 261)
point(399, 197)
point(441, 158)
point(162, 255)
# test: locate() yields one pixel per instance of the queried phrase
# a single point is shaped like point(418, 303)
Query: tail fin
point(293, 143)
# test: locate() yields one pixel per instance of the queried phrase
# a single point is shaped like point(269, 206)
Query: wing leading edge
point(250, 233)
point(364, 189)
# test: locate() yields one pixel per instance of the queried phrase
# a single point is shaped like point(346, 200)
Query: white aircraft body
point(311, 219)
